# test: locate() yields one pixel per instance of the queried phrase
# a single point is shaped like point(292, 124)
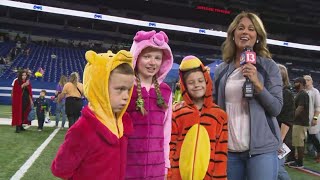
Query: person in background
point(177, 94)
point(254, 133)
point(42, 106)
point(301, 121)
point(73, 92)
point(21, 101)
point(285, 119)
point(314, 111)
point(3, 60)
point(60, 107)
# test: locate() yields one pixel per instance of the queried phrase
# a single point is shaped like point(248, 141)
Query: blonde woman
point(72, 91)
point(285, 120)
point(61, 108)
point(254, 134)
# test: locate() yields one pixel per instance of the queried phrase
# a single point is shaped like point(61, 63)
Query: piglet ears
point(157, 37)
point(143, 35)
point(164, 36)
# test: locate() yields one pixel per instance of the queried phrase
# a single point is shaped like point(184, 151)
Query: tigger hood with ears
point(96, 82)
point(192, 62)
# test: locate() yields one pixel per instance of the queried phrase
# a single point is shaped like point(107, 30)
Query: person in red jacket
point(21, 100)
point(95, 147)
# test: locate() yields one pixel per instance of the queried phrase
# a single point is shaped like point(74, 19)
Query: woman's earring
point(232, 38)
point(257, 41)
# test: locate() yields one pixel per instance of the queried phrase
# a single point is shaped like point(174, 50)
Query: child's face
point(196, 85)
point(24, 76)
point(149, 62)
point(42, 94)
point(119, 89)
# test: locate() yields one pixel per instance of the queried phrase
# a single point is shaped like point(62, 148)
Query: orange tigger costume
point(199, 138)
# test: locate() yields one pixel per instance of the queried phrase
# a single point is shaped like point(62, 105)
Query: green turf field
point(16, 148)
point(44, 161)
point(5, 111)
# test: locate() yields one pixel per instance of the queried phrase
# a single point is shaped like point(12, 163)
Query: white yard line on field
point(24, 168)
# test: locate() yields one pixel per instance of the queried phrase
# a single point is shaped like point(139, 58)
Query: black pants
point(314, 140)
point(288, 141)
point(25, 104)
point(41, 117)
point(73, 109)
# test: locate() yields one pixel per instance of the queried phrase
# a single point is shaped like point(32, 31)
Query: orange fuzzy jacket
point(199, 138)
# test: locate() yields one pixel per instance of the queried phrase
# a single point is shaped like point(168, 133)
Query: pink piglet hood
point(144, 39)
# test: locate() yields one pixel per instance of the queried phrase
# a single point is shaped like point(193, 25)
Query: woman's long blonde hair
point(229, 48)
point(74, 78)
point(63, 80)
point(284, 75)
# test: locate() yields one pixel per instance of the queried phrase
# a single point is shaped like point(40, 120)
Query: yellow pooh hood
point(96, 81)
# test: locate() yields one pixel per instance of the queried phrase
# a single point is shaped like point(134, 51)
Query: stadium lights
point(129, 21)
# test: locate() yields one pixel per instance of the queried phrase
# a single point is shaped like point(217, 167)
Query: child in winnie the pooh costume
point(199, 128)
point(95, 147)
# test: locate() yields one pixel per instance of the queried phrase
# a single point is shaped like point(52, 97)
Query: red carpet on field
point(308, 171)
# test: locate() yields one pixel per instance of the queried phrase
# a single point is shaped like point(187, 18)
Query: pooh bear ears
point(121, 57)
point(158, 38)
point(91, 55)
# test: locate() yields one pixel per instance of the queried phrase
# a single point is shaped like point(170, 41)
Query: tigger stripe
point(190, 104)
point(221, 153)
point(212, 116)
point(216, 161)
point(183, 114)
point(224, 141)
point(174, 121)
point(175, 159)
point(205, 124)
point(178, 109)
point(222, 176)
